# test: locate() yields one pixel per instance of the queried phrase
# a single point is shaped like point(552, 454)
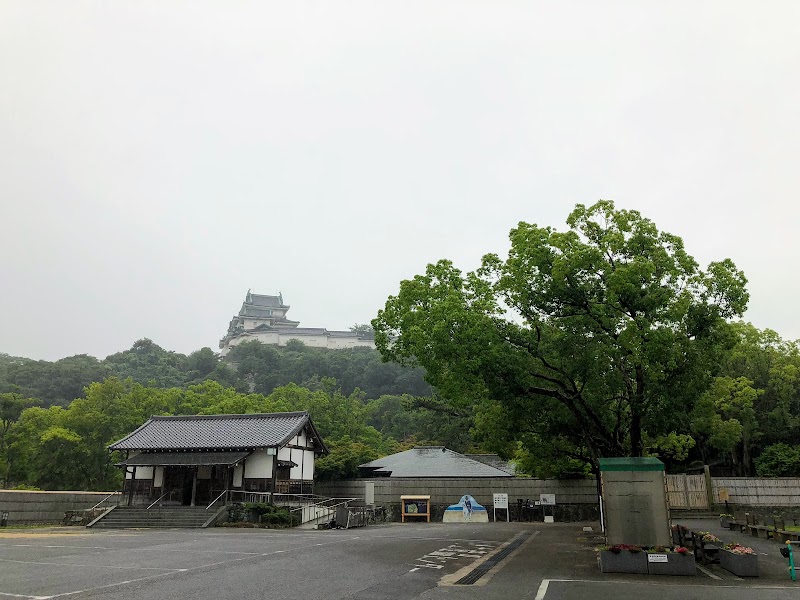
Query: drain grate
point(485, 567)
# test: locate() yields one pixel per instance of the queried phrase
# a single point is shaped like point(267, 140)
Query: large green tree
point(587, 340)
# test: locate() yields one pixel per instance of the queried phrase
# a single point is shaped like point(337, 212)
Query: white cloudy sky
point(157, 159)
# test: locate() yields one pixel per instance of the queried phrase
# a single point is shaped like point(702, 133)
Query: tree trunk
point(637, 446)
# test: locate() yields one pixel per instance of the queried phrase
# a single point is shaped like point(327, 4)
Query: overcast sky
point(157, 159)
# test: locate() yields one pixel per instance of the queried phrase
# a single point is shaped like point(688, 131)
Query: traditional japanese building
point(191, 460)
point(263, 318)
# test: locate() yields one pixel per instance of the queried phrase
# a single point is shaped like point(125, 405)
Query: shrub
point(779, 460)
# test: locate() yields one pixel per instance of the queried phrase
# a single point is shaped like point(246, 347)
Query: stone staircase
point(123, 517)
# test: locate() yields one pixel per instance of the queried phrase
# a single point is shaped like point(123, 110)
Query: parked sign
point(547, 499)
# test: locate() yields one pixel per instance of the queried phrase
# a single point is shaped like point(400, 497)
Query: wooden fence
point(687, 491)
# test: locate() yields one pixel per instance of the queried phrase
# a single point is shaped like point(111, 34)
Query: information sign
point(657, 558)
point(500, 500)
point(547, 499)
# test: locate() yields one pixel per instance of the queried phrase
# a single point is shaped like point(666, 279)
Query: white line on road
point(542, 590)
point(709, 573)
point(23, 596)
point(673, 585)
point(95, 566)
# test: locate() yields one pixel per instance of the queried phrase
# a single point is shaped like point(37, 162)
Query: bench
point(704, 552)
point(739, 521)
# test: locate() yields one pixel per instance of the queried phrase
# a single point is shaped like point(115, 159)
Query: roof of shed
point(631, 463)
point(210, 432)
point(431, 461)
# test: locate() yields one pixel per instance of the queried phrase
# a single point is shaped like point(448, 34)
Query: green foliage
point(779, 460)
point(593, 337)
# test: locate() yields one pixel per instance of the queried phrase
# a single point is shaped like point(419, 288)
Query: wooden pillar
point(131, 485)
point(275, 471)
point(194, 486)
point(709, 486)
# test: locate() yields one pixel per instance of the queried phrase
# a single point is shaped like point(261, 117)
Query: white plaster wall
point(296, 457)
point(238, 472)
point(308, 466)
point(144, 472)
point(284, 454)
point(301, 439)
point(158, 478)
point(258, 465)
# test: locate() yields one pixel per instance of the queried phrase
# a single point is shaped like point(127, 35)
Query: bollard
point(4, 519)
point(788, 553)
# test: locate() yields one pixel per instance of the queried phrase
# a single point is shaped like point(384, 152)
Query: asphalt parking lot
point(426, 561)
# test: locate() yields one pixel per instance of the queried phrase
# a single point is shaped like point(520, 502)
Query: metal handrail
point(216, 499)
point(104, 499)
point(322, 504)
point(159, 499)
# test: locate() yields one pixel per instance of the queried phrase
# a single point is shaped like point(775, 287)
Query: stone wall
point(44, 507)
point(576, 500)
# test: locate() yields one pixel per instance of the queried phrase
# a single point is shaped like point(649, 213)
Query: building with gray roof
point(428, 461)
point(191, 459)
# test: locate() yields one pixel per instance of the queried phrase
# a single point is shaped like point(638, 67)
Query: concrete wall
point(575, 499)
point(45, 507)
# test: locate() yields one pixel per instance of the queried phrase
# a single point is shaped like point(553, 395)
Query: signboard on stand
point(548, 500)
point(500, 501)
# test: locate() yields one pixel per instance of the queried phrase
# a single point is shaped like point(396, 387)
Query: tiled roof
point(493, 460)
point(265, 300)
point(429, 461)
point(217, 432)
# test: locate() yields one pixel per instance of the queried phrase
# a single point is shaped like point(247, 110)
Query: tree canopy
point(583, 343)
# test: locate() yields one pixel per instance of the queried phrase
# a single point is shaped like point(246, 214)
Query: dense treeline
point(251, 367)
point(56, 418)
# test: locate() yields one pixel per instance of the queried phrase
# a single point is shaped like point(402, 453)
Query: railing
point(324, 505)
point(161, 497)
point(213, 502)
point(106, 498)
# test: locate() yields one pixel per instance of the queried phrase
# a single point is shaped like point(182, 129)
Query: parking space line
point(709, 573)
point(55, 564)
point(546, 582)
point(542, 589)
point(23, 596)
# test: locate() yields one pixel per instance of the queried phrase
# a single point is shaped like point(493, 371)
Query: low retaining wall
point(576, 500)
point(44, 507)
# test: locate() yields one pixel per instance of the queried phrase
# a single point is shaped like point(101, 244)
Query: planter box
point(624, 562)
point(742, 565)
point(725, 522)
point(676, 564)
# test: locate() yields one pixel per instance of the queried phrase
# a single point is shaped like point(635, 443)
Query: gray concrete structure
point(635, 501)
point(44, 507)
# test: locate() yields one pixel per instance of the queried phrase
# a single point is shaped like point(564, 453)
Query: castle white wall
point(275, 338)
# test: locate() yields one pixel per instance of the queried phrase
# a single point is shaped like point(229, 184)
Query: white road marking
point(22, 596)
point(672, 585)
point(542, 590)
point(55, 564)
point(709, 573)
